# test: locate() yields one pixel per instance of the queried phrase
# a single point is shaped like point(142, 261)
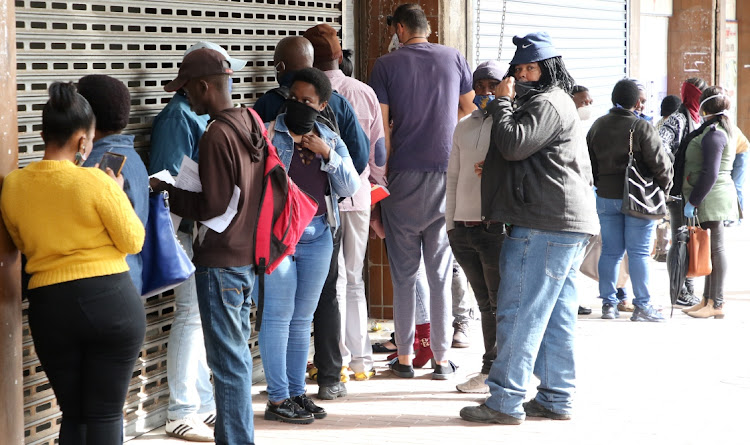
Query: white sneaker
point(475, 384)
point(209, 418)
point(191, 428)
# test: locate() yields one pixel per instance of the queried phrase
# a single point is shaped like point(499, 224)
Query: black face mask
point(300, 118)
point(524, 88)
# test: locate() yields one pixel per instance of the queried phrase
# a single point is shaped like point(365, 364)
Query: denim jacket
point(342, 176)
point(135, 187)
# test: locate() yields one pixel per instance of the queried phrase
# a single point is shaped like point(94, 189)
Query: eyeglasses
point(389, 20)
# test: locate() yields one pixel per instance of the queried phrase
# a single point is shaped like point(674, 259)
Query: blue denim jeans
point(621, 233)
point(537, 308)
point(739, 169)
point(292, 293)
point(224, 303)
point(190, 389)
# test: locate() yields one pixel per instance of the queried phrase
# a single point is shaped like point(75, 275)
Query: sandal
point(380, 348)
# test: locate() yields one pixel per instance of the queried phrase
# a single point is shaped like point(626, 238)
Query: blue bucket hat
point(533, 48)
point(490, 69)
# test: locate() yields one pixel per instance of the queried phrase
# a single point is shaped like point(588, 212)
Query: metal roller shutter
point(140, 43)
point(591, 35)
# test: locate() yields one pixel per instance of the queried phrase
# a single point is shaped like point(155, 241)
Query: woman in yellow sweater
point(75, 225)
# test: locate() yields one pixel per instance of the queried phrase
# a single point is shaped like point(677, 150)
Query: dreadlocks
point(554, 74)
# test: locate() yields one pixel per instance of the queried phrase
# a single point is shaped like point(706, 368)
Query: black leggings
point(714, 284)
point(87, 334)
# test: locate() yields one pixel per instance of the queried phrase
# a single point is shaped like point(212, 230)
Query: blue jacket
point(175, 132)
point(342, 176)
point(136, 185)
point(354, 137)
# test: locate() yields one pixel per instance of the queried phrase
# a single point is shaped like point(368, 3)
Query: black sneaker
point(308, 405)
point(444, 372)
point(584, 310)
point(288, 412)
point(646, 313)
point(403, 371)
point(610, 311)
point(331, 392)
point(535, 409)
point(687, 299)
point(485, 414)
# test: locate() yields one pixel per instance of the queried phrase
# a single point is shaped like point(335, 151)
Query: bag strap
point(630, 143)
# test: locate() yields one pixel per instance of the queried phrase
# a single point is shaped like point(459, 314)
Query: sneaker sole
point(190, 439)
point(272, 416)
point(474, 391)
point(443, 376)
point(460, 345)
point(646, 320)
point(609, 317)
point(509, 420)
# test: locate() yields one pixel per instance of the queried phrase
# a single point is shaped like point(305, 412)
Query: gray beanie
point(490, 69)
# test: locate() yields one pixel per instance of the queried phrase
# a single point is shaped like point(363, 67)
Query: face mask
point(395, 44)
point(300, 118)
point(585, 113)
point(523, 88)
point(481, 100)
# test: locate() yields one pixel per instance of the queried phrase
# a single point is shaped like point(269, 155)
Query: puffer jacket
point(537, 172)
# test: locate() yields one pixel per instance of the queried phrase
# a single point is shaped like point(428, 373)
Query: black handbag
point(641, 196)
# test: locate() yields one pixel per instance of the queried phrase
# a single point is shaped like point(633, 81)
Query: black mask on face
point(300, 118)
point(524, 88)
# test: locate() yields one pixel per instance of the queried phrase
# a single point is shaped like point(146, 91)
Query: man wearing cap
point(475, 243)
point(537, 178)
point(418, 147)
point(354, 342)
point(224, 261)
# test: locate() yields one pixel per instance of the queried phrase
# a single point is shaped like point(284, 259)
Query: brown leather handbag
point(699, 251)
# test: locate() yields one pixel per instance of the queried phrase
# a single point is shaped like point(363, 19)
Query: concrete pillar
point(743, 66)
point(11, 357)
point(692, 42)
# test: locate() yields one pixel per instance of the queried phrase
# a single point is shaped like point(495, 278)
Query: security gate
point(141, 43)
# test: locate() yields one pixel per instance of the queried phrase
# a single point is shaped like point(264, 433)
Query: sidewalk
point(685, 381)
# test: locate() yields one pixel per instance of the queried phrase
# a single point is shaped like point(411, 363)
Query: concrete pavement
point(686, 381)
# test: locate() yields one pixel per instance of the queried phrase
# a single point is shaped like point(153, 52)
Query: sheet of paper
point(220, 223)
point(165, 176)
point(188, 177)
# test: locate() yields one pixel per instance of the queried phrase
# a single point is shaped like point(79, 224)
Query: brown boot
point(709, 311)
point(698, 306)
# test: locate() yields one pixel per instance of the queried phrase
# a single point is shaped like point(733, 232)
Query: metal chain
point(476, 44)
point(502, 31)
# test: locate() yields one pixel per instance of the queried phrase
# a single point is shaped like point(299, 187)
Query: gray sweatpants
point(414, 221)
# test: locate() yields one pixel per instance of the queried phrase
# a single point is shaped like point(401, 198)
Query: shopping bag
point(699, 251)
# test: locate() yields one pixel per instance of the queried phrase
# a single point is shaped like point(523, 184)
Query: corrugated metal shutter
point(140, 43)
point(590, 34)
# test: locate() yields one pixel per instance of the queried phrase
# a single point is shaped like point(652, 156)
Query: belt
point(475, 223)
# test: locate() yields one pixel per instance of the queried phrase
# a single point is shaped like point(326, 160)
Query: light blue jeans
point(537, 308)
point(739, 169)
point(224, 302)
point(188, 376)
point(291, 296)
point(621, 233)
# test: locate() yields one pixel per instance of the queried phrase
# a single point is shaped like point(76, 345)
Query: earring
point(79, 158)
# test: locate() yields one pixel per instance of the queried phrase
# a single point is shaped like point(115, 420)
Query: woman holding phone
point(75, 225)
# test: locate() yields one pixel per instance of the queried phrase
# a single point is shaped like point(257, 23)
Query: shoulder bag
point(642, 197)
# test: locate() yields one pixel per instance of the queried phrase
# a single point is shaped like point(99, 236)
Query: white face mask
point(585, 112)
point(395, 44)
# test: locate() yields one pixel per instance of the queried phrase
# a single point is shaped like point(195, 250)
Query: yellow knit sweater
point(70, 222)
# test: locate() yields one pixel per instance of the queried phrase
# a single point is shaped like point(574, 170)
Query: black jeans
point(327, 324)
point(87, 334)
point(714, 283)
point(677, 219)
point(477, 250)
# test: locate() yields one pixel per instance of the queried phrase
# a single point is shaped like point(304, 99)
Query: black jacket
point(536, 173)
point(608, 141)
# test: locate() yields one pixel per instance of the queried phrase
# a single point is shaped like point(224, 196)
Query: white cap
point(235, 64)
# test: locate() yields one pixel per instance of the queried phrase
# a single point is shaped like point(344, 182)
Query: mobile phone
point(115, 161)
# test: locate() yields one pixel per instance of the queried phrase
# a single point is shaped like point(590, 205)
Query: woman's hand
point(506, 88)
point(689, 210)
point(315, 144)
point(478, 168)
point(118, 179)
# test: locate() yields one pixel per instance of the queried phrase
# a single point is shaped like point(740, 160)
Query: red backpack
point(285, 211)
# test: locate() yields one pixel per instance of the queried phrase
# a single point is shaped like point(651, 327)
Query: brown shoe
point(460, 335)
point(625, 306)
point(708, 311)
point(698, 306)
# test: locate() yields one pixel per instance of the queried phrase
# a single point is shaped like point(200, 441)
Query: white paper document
point(189, 179)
